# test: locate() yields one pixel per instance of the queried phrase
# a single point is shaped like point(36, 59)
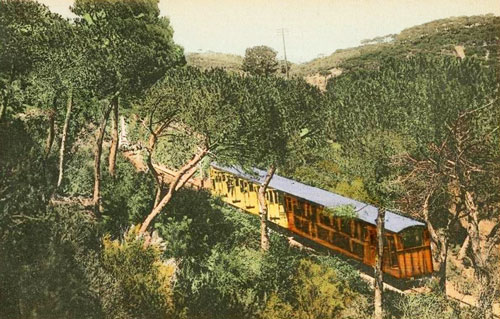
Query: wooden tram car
point(299, 208)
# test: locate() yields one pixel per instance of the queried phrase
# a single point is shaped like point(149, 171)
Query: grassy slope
point(230, 62)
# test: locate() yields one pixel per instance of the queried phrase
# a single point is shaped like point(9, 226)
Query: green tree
point(441, 110)
point(130, 47)
point(260, 60)
point(283, 119)
point(26, 32)
point(195, 109)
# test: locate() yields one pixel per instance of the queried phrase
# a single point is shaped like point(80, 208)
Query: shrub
point(47, 263)
point(140, 285)
point(428, 305)
point(127, 198)
point(317, 293)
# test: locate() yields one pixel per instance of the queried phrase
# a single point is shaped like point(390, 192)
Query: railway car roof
point(368, 213)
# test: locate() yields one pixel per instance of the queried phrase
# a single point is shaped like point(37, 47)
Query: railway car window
point(313, 212)
point(298, 210)
point(302, 225)
point(393, 258)
point(358, 249)
point(359, 231)
point(325, 220)
point(345, 225)
point(412, 238)
point(323, 233)
point(280, 199)
point(341, 241)
point(307, 211)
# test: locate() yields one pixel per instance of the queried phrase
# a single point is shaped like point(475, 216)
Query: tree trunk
point(3, 107)
point(51, 131)
point(64, 136)
point(463, 250)
point(264, 237)
point(2, 110)
point(96, 201)
point(114, 137)
point(159, 191)
point(480, 257)
point(439, 244)
point(179, 181)
point(123, 132)
point(379, 280)
point(153, 140)
point(443, 261)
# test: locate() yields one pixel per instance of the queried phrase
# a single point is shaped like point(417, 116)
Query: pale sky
point(312, 27)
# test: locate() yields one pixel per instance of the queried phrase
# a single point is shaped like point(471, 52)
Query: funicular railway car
point(305, 210)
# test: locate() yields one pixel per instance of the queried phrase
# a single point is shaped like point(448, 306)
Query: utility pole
point(284, 51)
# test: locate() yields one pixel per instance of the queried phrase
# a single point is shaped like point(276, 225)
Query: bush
point(140, 285)
point(54, 265)
point(79, 173)
point(47, 263)
point(428, 305)
point(127, 198)
point(317, 293)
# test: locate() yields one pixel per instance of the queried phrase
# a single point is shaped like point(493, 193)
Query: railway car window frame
point(325, 220)
point(390, 242)
point(412, 238)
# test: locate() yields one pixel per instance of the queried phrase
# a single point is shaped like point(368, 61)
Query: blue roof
point(368, 213)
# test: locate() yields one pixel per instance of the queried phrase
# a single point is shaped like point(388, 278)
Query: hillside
point(230, 62)
point(478, 35)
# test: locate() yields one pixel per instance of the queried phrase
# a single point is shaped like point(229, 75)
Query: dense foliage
point(119, 239)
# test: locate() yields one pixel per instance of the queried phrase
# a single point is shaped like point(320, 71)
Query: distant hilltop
point(476, 36)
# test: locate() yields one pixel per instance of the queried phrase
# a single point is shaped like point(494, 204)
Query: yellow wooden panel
point(428, 260)
point(401, 263)
point(408, 264)
point(416, 265)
